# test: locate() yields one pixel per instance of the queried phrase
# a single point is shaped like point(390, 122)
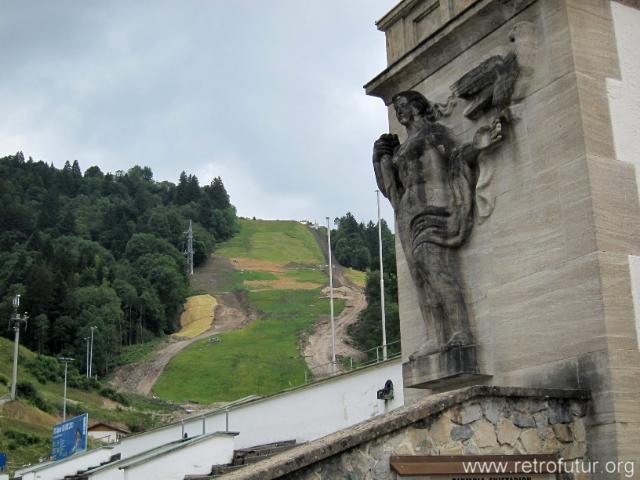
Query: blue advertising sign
point(70, 437)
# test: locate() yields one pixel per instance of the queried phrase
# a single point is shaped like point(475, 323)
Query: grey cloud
point(267, 92)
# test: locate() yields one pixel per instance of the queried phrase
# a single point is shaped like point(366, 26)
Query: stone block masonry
point(550, 270)
point(473, 420)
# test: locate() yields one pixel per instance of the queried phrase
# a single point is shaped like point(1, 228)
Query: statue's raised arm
point(386, 175)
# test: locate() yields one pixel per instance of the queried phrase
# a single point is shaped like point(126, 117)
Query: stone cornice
point(397, 12)
point(443, 46)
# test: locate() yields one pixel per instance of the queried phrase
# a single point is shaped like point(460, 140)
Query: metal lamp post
point(384, 328)
point(333, 328)
point(17, 320)
point(66, 361)
point(91, 350)
point(86, 358)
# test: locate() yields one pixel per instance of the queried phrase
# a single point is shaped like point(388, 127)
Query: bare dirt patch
point(233, 312)
point(317, 347)
point(257, 265)
point(282, 282)
point(216, 275)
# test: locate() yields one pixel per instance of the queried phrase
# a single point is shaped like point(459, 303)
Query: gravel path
point(317, 347)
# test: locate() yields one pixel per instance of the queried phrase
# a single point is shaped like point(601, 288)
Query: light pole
point(333, 328)
point(384, 327)
point(16, 322)
point(66, 361)
point(91, 350)
point(86, 358)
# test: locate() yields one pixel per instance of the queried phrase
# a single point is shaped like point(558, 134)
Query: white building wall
point(109, 474)
point(130, 446)
point(58, 470)
point(309, 413)
point(194, 460)
point(624, 104)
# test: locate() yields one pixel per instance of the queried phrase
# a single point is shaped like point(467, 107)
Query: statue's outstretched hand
point(488, 136)
point(385, 145)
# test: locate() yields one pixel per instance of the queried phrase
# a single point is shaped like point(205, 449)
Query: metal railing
point(348, 364)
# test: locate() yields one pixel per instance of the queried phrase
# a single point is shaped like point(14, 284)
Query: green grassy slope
point(263, 358)
point(274, 241)
point(260, 359)
point(25, 429)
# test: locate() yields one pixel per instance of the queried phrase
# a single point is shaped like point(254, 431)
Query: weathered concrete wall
point(547, 275)
point(476, 420)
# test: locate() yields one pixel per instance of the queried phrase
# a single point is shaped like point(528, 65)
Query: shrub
point(74, 409)
point(114, 395)
point(26, 390)
point(43, 405)
point(75, 380)
point(45, 369)
point(136, 426)
point(21, 439)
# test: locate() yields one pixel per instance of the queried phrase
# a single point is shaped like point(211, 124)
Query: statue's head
point(410, 103)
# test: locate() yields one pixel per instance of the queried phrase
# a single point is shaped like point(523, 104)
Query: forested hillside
point(100, 249)
point(356, 245)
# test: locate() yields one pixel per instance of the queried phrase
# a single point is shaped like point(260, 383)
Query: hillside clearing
point(260, 359)
point(279, 267)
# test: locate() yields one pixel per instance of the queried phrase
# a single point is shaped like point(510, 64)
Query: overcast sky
point(265, 93)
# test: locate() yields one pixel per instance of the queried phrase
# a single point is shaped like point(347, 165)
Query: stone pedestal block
point(449, 368)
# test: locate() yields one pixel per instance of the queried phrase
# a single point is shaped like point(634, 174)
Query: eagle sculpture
point(488, 85)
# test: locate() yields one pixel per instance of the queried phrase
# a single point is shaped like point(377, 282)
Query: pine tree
point(217, 194)
point(182, 189)
point(75, 169)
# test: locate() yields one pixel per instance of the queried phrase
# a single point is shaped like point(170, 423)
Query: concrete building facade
point(551, 274)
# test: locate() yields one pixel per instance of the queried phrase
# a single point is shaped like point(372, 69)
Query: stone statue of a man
point(430, 182)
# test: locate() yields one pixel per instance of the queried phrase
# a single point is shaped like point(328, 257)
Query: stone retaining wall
point(475, 420)
point(493, 425)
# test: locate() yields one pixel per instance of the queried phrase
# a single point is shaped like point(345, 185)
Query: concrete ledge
point(343, 440)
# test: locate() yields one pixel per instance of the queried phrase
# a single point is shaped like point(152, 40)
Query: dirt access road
point(317, 347)
point(232, 312)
